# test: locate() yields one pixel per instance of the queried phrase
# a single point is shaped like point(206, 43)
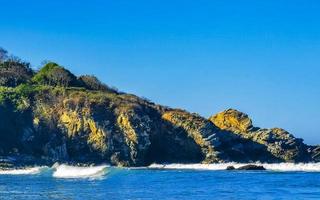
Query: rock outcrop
point(200, 130)
point(315, 153)
point(46, 124)
point(232, 120)
point(51, 115)
point(53, 124)
point(278, 142)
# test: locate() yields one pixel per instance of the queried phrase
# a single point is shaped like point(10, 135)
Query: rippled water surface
point(184, 183)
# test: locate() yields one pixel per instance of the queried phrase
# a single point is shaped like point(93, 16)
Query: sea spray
point(23, 171)
point(68, 171)
point(303, 167)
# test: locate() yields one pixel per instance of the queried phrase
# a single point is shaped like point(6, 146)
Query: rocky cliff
point(276, 142)
point(77, 125)
point(59, 117)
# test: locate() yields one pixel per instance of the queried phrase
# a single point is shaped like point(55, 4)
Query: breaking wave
point(24, 171)
point(285, 167)
point(67, 171)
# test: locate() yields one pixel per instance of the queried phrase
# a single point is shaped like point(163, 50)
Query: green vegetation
point(20, 84)
point(53, 115)
point(92, 83)
point(3, 54)
point(19, 97)
point(16, 73)
point(55, 75)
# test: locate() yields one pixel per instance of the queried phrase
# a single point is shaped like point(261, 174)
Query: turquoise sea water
point(146, 183)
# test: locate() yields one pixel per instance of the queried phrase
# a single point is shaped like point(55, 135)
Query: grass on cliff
point(22, 96)
point(52, 82)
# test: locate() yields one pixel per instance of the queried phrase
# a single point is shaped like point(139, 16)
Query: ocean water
point(175, 181)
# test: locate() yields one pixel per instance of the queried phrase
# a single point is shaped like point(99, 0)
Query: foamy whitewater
point(307, 167)
point(31, 170)
point(173, 181)
point(66, 171)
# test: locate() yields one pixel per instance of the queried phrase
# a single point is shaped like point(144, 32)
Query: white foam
point(31, 170)
point(307, 167)
point(67, 171)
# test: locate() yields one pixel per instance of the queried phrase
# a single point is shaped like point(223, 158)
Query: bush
point(92, 83)
point(14, 72)
point(3, 54)
point(55, 75)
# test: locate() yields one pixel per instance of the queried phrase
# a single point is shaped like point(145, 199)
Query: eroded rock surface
point(77, 125)
point(281, 144)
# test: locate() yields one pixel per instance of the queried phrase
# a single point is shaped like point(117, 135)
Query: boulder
point(232, 120)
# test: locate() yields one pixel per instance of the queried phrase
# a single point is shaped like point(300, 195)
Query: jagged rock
point(232, 120)
point(199, 129)
point(315, 153)
point(77, 125)
point(56, 116)
point(137, 132)
point(278, 142)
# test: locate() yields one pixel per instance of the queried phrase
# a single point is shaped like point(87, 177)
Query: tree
point(14, 72)
point(3, 54)
point(60, 77)
point(91, 82)
point(55, 75)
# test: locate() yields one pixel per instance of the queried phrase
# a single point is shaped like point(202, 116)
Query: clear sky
point(261, 57)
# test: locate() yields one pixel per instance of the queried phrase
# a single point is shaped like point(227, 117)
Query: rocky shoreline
point(51, 115)
point(141, 134)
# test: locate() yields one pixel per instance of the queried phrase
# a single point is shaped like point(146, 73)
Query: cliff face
point(50, 124)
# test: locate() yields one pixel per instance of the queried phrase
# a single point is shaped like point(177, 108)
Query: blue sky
point(261, 57)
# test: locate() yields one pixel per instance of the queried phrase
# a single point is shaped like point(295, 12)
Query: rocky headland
point(50, 115)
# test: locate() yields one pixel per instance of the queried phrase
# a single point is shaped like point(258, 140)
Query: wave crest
point(67, 171)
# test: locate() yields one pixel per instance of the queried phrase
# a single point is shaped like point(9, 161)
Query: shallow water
point(186, 182)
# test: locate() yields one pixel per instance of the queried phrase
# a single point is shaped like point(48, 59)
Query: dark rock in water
point(251, 167)
point(246, 167)
point(231, 168)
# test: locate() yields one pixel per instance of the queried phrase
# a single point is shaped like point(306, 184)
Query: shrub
point(55, 75)
point(91, 82)
point(3, 54)
point(14, 72)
